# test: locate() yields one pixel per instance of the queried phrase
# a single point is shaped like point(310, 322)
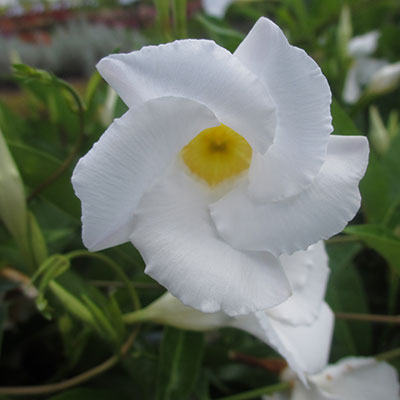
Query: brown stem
point(76, 380)
point(275, 365)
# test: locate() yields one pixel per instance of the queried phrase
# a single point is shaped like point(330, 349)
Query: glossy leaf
point(379, 239)
point(346, 294)
point(375, 191)
point(342, 123)
point(36, 167)
point(180, 360)
point(13, 211)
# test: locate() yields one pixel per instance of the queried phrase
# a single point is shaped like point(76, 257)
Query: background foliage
point(71, 320)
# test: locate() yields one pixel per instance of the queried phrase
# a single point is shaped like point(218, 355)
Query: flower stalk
point(179, 12)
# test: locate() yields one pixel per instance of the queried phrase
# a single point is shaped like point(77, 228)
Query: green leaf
point(90, 306)
point(36, 166)
point(13, 126)
point(37, 243)
point(103, 324)
point(50, 269)
point(391, 162)
point(381, 240)
point(13, 211)
point(342, 123)
point(225, 36)
point(3, 316)
point(374, 189)
point(179, 364)
point(72, 303)
point(345, 293)
point(27, 73)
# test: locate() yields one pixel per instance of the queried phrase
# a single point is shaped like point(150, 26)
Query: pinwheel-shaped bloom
point(363, 67)
point(222, 163)
point(352, 378)
point(300, 328)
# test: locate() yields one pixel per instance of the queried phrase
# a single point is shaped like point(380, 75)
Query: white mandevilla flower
point(223, 163)
point(360, 48)
point(300, 329)
point(375, 76)
point(352, 378)
point(216, 8)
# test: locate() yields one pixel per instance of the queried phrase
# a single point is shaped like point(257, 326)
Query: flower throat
point(217, 154)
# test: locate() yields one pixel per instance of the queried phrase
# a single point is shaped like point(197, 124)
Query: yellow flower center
point(216, 154)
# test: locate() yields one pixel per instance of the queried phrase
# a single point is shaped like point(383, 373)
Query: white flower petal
point(368, 67)
point(363, 45)
point(300, 392)
point(293, 224)
point(305, 347)
point(111, 179)
point(359, 378)
point(169, 310)
point(307, 272)
point(177, 239)
point(302, 97)
point(200, 70)
point(359, 75)
point(352, 89)
point(217, 8)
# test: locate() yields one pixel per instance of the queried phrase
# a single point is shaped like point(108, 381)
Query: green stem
point(137, 316)
point(385, 319)
point(71, 157)
point(76, 380)
point(119, 271)
point(388, 355)
point(91, 88)
point(251, 394)
point(180, 18)
point(164, 19)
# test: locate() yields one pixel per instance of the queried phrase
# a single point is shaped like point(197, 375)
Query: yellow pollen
point(216, 154)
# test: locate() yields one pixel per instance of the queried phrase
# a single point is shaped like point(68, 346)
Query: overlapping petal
point(352, 378)
point(358, 378)
point(302, 97)
point(303, 341)
point(305, 347)
point(177, 239)
point(293, 224)
point(202, 71)
point(135, 150)
point(307, 272)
